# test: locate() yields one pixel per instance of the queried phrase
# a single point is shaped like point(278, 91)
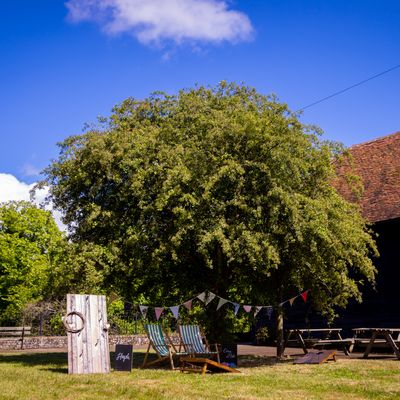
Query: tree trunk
point(279, 333)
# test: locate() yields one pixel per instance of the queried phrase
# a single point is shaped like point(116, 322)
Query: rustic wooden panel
point(88, 349)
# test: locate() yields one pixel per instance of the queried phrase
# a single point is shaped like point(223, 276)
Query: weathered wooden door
point(87, 331)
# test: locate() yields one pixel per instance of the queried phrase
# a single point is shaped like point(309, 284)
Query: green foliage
point(262, 335)
point(29, 248)
point(121, 322)
point(84, 268)
point(45, 317)
point(214, 188)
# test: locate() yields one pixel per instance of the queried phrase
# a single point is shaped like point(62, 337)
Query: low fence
point(60, 342)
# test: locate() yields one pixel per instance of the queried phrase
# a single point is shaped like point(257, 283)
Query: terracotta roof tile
point(377, 163)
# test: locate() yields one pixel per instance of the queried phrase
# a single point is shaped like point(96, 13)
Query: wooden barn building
point(377, 163)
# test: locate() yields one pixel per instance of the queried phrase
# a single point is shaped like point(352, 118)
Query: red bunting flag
point(304, 296)
point(247, 308)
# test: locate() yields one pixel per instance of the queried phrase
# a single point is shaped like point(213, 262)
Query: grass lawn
point(44, 376)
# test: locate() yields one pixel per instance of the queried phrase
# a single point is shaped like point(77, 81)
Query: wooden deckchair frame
point(196, 342)
point(164, 351)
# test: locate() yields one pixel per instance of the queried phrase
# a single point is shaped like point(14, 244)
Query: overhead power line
point(348, 88)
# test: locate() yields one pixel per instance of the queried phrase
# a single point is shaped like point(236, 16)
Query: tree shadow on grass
point(244, 361)
point(138, 358)
point(57, 361)
point(54, 361)
point(254, 361)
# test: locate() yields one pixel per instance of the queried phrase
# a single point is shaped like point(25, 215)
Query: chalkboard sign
point(228, 354)
point(123, 357)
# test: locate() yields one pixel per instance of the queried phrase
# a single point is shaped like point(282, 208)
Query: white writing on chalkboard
point(123, 357)
point(228, 353)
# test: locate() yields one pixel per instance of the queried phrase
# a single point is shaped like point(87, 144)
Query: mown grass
point(43, 376)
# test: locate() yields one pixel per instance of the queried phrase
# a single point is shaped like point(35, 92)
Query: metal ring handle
point(67, 324)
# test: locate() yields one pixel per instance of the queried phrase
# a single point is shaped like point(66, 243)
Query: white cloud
point(30, 170)
point(157, 21)
point(13, 189)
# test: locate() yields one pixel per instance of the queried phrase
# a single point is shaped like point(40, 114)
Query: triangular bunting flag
point(304, 296)
point(143, 310)
point(188, 304)
point(210, 297)
point(158, 311)
point(202, 297)
point(175, 311)
point(221, 302)
point(292, 300)
point(247, 308)
point(237, 306)
point(257, 310)
point(269, 311)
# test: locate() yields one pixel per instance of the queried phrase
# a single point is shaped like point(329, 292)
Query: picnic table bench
point(389, 337)
point(319, 338)
point(13, 331)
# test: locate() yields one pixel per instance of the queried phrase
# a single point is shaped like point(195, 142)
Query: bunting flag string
point(143, 310)
point(175, 311)
point(188, 304)
point(202, 297)
point(304, 296)
point(221, 302)
point(257, 310)
point(207, 297)
point(158, 311)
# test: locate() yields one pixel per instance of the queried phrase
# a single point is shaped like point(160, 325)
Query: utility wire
point(348, 88)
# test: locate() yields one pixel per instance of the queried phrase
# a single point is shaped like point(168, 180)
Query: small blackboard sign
point(123, 357)
point(228, 354)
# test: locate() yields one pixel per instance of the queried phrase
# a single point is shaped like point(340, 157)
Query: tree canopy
point(213, 188)
point(30, 245)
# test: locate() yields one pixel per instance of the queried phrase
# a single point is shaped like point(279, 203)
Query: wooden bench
point(16, 331)
point(309, 338)
point(346, 344)
point(390, 337)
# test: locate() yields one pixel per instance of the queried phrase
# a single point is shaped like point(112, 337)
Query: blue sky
point(63, 63)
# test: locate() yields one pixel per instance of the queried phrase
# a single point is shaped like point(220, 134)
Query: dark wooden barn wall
point(380, 307)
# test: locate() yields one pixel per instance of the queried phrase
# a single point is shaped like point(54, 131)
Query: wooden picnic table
point(319, 338)
point(374, 333)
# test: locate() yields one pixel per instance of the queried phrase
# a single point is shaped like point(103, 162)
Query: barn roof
point(377, 163)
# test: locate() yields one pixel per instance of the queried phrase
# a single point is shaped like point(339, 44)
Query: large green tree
point(213, 188)
point(30, 247)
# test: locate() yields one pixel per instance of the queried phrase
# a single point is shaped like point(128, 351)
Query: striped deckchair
point(194, 342)
point(158, 342)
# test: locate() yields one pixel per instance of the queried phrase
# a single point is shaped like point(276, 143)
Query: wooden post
point(87, 331)
point(23, 336)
